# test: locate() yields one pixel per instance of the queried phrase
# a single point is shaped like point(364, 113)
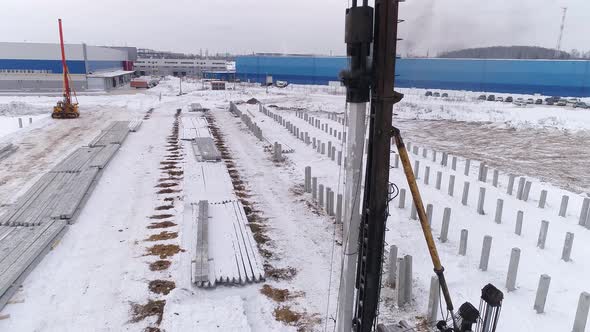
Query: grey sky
point(300, 26)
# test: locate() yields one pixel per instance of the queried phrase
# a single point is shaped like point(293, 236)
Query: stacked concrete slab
point(205, 149)
point(6, 150)
point(225, 252)
point(30, 227)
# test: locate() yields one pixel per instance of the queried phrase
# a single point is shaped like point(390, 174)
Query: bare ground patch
point(152, 308)
point(162, 236)
point(161, 286)
point(161, 216)
point(163, 224)
point(160, 265)
point(164, 250)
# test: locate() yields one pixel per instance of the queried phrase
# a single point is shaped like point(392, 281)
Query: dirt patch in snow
point(171, 178)
point(161, 216)
point(277, 294)
point(166, 185)
point(169, 199)
point(163, 224)
point(152, 308)
point(162, 236)
point(167, 191)
point(175, 173)
point(169, 167)
point(161, 286)
point(164, 207)
point(168, 163)
point(287, 273)
point(164, 250)
point(160, 265)
point(152, 329)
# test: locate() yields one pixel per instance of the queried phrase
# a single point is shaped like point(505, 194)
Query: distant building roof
point(111, 74)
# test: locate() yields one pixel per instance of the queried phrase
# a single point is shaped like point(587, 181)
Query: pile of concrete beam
point(205, 149)
point(6, 150)
point(226, 250)
point(31, 226)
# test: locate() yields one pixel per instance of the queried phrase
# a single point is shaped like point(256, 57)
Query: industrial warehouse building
point(179, 67)
point(37, 66)
point(548, 77)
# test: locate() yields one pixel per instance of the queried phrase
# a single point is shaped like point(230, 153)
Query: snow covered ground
point(101, 269)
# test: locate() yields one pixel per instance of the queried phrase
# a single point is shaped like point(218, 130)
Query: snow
point(100, 267)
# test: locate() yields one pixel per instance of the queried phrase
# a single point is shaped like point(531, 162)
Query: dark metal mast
point(374, 212)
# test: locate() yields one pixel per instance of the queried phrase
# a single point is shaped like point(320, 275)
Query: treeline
point(514, 52)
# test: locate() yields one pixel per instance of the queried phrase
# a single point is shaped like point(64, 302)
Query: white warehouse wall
point(47, 51)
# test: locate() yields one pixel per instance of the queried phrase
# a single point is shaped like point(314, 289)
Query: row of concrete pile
point(31, 226)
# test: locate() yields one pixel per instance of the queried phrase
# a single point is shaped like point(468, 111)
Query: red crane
point(65, 109)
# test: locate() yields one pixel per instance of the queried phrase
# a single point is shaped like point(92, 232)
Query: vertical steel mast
point(374, 211)
point(358, 38)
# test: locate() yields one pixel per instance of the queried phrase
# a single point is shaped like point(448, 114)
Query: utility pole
point(558, 48)
point(375, 202)
point(358, 38)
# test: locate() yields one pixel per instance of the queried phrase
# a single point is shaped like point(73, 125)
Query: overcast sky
point(290, 26)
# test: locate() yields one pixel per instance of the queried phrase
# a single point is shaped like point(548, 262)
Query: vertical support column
point(481, 171)
point(542, 291)
point(519, 218)
point(402, 198)
point(424, 153)
point(352, 200)
point(520, 189)
point(463, 242)
point(454, 163)
point(427, 175)
point(511, 178)
point(396, 160)
point(499, 207)
point(527, 191)
point(467, 166)
point(512, 269)
point(392, 266)
point(408, 278)
point(339, 208)
point(582, 313)
point(485, 253)
point(543, 234)
point(451, 185)
point(495, 178)
point(438, 179)
point(433, 300)
point(543, 199)
point(584, 212)
point(417, 168)
point(429, 211)
point(323, 148)
point(567, 247)
point(444, 230)
point(339, 158)
point(481, 200)
point(433, 155)
point(465, 193)
point(413, 213)
point(401, 282)
point(321, 195)
point(563, 207)
point(314, 188)
point(307, 184)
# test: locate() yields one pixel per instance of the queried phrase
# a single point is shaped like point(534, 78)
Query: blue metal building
point(548, 77)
